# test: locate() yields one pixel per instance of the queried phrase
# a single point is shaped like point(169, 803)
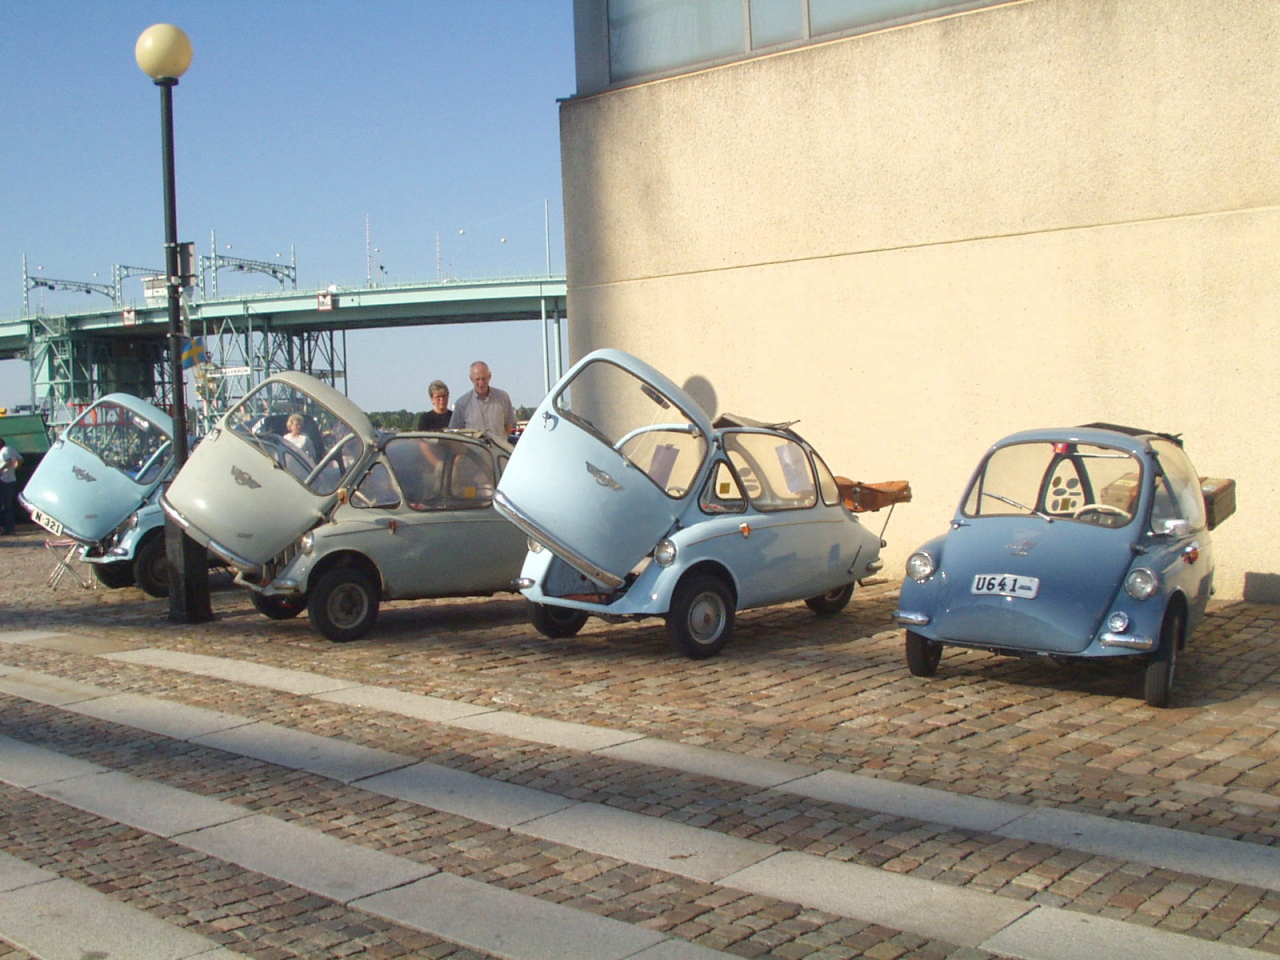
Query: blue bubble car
point(1088, 541)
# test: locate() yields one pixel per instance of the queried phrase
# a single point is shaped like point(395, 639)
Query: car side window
point(722, 494)
point(827, 485)
point(376, 489)
point(775, 470)
point(1183, 484)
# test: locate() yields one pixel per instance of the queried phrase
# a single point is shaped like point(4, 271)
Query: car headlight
point(920, 566)
point(1118, 622)
point(533, 545)
point(664, 554)
point(1142, 583)
point(308, 542)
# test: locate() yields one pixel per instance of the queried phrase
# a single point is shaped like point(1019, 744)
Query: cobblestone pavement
point(828, 694)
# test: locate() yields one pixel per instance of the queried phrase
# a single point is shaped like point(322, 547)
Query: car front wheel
point(556, 622)
point(831, 602)
point(700, 621)
point(1157, 677)
point(923, 655)
point(113, 576)
point(278, 608)
point(344, 604)
point(151, 565)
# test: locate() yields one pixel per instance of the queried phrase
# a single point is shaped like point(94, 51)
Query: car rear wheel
point(278, 608)
point(556, 622)
point(700, 621)
point(831, 602)
point(113, 576)
point(151, 565)
point(1157, 678)
point(344, 604)
point(923, 655)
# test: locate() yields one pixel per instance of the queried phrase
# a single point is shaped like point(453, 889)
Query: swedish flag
point(193, 352)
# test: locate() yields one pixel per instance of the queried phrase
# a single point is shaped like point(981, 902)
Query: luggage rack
point(64, 551)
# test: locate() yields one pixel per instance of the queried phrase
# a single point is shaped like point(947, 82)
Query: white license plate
point(46, 521)
point(1005, 585)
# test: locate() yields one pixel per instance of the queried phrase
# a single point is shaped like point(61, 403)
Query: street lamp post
point(164, 52)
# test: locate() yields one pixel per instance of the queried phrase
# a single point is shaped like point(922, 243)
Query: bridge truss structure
point(77, 358)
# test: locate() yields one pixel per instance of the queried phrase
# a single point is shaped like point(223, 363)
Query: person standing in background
point(10, 460)
point(437, 418)
point(484, 407)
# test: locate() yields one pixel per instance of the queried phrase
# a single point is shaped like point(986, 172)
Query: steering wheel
point(1099, 508)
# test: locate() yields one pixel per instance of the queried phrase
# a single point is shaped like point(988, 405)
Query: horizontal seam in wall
point(983, 238)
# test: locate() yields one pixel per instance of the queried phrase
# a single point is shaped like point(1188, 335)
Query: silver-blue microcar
point(1087, 541)
point(637, 505)
point(99, 486)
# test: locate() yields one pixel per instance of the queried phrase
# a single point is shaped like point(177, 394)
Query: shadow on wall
point(704, 393)
point(1262, 587)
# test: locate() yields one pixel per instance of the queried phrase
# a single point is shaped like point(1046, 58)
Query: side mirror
point(1174, 528)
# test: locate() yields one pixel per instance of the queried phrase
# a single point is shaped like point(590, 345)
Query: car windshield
point(438, 473)
point(297, 432)
point(123, 440)
point(639, 422)
point(1058, 481)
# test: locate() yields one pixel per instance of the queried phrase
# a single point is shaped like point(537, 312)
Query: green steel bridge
point(76, 358)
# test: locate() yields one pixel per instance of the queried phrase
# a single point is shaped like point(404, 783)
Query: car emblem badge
point(1021, 548)
point(82, 474)
point(603, 478)
point(243, 478)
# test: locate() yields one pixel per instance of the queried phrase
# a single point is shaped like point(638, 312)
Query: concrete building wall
point(918, 240)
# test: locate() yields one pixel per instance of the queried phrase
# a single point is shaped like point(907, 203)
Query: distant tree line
point(408, 420)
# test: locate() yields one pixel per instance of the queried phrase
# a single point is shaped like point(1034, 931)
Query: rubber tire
point(700, 621)
point(113, 576)
point(831, 602)
point(555, 622)
point(923, 655)
point(151, 565)
point(277, 608)
point(1157, 676)
point(343, 605)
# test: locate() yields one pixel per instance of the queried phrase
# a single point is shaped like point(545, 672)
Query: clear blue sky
point(296, 122)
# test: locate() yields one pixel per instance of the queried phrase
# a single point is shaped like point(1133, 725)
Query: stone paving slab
point(149, 806)
point(166, 717)
point(466, 794)
point(326, 756)
point(24, 765)
point(418, 706)
point(1193, 853)
point(56, 919)
point(555, 733)
point(465, 912)
point(927, 804)
point(66, 642)
point(705, 761)
point(237, 671)
point(905, 903)
point(312, 861)
point(1047, 934)
point(674, 847)
point(43, 688)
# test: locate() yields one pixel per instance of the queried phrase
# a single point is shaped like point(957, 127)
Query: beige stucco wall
point(919, 240)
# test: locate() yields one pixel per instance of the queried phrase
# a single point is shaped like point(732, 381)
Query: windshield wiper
point(1014, 503)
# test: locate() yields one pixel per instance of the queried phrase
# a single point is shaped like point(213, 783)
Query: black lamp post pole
point(188, 561)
